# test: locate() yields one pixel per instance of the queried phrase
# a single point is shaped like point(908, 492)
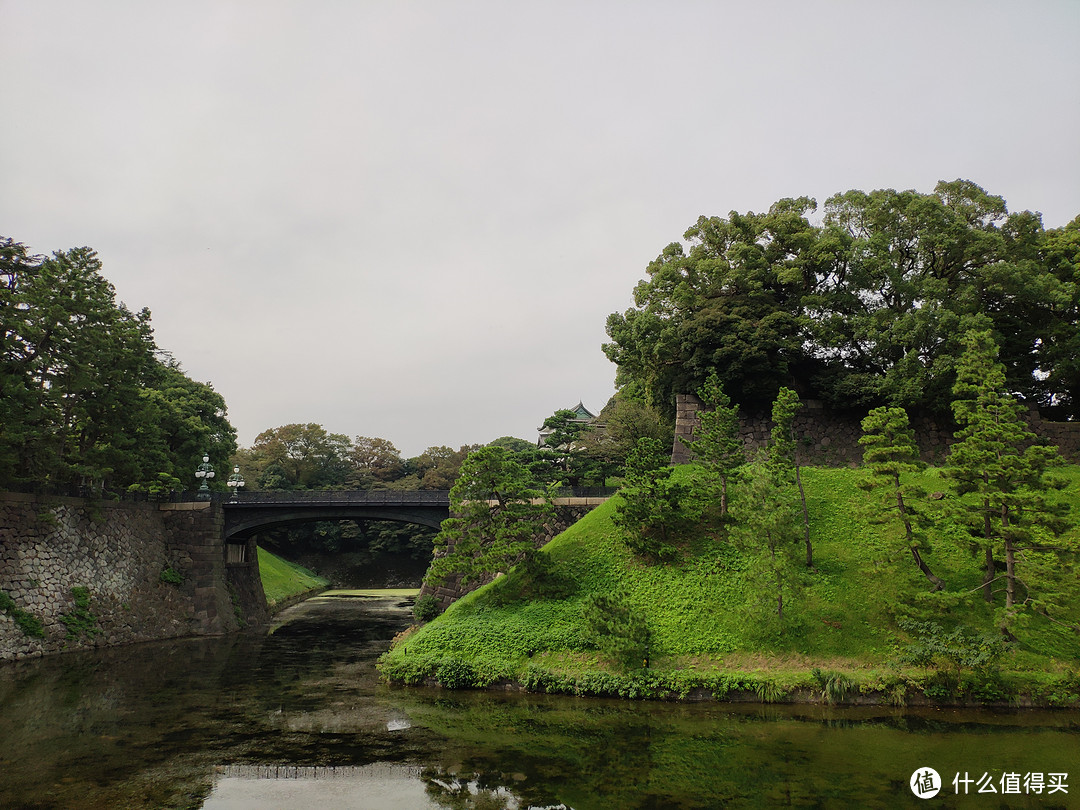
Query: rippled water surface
point(296, 718)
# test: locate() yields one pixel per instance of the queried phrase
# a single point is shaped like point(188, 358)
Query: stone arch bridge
point(251, 512)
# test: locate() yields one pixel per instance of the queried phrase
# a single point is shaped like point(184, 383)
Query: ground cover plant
point(860, 620)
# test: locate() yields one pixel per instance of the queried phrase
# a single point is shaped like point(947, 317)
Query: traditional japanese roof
point(581, 413)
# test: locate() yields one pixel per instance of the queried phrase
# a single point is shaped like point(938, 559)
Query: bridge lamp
point(236, 480)
point(204, 472)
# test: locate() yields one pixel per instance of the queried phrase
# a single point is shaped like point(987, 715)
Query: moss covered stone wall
point(77, 574)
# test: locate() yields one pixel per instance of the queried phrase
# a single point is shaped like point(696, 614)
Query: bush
point(617, 629)
point(171, 576)
point(535, 577)
point(29, 624)
point(426, 608)
point(835, 686)
point(952, 654)
point(455, 674)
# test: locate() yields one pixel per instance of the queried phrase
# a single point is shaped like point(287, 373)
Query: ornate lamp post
point(204, 472)
point(236, 480)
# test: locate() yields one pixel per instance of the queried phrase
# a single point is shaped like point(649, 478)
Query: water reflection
point(297, 718)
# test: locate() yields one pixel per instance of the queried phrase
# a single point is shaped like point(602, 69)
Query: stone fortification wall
point(830, 438)
point(117, 552)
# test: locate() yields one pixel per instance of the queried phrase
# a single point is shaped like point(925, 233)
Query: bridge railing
point(375, 496)
point(398, 497)
point(383, 497)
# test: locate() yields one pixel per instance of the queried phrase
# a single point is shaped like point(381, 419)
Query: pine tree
point(1001, 481)
point(766, 530)
point(719, 448)
point(654, 508)
point(890, 453)
point(783, 455)
point(498, 512)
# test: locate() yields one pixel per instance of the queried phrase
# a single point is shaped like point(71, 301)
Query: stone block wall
point(118, 551)
point(830, 438)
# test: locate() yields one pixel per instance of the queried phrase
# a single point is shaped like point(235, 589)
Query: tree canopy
point(86, 397)
point(862, 309)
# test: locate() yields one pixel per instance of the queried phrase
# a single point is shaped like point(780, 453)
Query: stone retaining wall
point(830, 438)
point(118, 551)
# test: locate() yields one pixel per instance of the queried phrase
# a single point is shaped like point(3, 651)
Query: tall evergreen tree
point(718, 446)
point(498, 512)
point(85, 398)
point(783, 454)
point(653, 508)
point(1001, 480)
point(766, 530)
point(890, 455)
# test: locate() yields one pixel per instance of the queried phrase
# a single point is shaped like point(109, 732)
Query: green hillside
point(282, 579)
point(843, 634)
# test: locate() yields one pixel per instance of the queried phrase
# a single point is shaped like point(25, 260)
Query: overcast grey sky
point(411, 219)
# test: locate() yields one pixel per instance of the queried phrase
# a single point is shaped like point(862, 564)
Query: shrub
point(535, 577)
point(455, 674)
point(29, 624)
point(80, 621)
point(426, 608)
point(617, 629)
point(835, 686)
point(952, 653)
point(171, 576)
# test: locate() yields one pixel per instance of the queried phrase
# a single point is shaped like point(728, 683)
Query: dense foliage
point(1003, 506)
point(86, 397)
point(865, 308)
point(497, 512)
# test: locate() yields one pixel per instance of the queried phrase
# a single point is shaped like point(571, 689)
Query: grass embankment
point(842, 640)
point(284, 581)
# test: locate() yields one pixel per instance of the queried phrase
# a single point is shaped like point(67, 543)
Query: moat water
point(296, 718)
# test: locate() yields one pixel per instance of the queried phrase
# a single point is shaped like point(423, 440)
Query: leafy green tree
point(730, 303)
point(718, 446)
point(374, 461)
point(439, 467)
point(626, 419)
point(654, 509)
point(890, 455)
point(513, 444)
point(498, 513)
point(865, 309)
point(300, 456)
point(1001, 481)
point(1059, 351)
point(85, 399)
point(182, 420)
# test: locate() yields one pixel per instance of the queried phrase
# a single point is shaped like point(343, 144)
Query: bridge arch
point(253, 512)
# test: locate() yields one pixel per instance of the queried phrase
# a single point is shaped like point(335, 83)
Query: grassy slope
point(845, 619)
point(282, 579)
